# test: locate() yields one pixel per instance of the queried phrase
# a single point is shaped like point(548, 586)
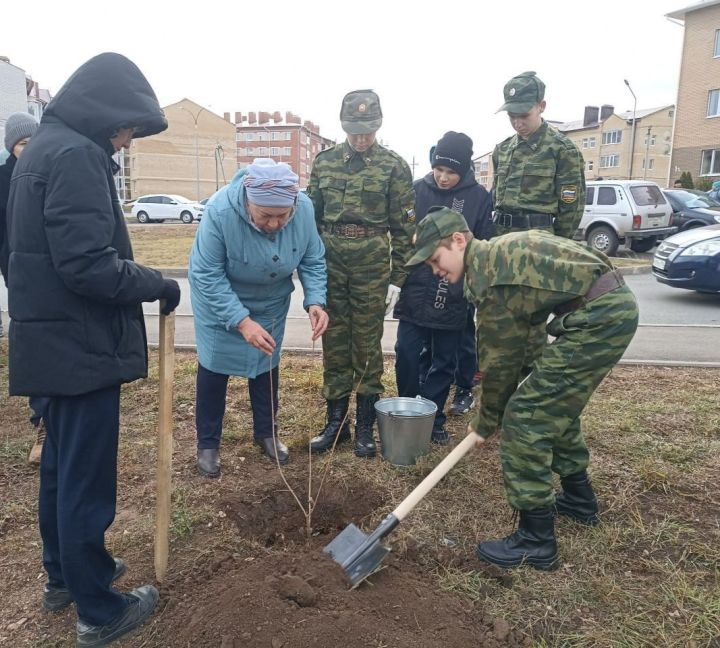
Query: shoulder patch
point(568, 193)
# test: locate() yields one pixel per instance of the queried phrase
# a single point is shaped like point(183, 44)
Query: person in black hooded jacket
point(77, 331)
point(434, 315)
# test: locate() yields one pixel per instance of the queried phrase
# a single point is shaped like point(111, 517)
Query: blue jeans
point(440, 353)
point(78, 487)
point(210, 405)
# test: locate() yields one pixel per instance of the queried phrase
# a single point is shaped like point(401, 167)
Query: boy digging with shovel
point(516, 281)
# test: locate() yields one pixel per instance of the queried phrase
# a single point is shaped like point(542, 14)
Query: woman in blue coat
point(254, 233)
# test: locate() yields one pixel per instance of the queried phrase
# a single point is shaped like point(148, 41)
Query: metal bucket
point(405, 426)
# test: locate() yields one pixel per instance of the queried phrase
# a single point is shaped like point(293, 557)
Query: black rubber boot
point(577, 499)
point(336, 412)
point(533, 543)
point(365, 419)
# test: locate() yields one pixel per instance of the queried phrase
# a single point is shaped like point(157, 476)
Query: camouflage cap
point(522, 92)
point(439, 223)
point(361, 113)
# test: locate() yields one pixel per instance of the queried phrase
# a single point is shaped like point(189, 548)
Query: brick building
point(194, 157)
point(290, 140)
point(696, 143)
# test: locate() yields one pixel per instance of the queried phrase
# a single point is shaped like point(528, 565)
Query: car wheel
point(186, 217)
point(142, 217)
point(603, 239)
point(643, 245)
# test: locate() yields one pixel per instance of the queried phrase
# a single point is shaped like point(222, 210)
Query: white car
point(160, 207)
point(633, 212)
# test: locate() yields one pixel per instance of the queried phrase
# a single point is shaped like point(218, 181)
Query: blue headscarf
point(271, 184)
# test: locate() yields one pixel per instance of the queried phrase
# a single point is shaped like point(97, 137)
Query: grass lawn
point(648, 576)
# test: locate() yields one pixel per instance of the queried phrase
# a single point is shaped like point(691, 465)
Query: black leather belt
point(526, 220)
point(353, 230)
point(604, 284)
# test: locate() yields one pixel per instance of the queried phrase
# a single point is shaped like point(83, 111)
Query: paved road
point(676, 326)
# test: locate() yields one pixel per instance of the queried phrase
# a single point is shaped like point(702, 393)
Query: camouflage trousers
point(541, 431)
point(358, 273)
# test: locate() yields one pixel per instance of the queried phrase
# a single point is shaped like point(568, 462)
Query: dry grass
point(162, 245)
point(649, 576)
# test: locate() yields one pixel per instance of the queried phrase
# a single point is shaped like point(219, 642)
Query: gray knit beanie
point(18, 126)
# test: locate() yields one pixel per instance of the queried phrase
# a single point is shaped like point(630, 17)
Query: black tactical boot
point(365, 419)
point(533, 543)
point(577, 499)
point(336, 413)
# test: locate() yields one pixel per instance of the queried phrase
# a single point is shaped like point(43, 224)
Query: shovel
point(359, 554)
point(164, 450)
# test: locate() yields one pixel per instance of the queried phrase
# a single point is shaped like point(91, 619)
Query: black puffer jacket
point(5, 175)
point(427, 300)
point(74, 292)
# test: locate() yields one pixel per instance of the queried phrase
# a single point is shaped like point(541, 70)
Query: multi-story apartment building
point(696, 143)
point(607, 139)
point(291, 140)
point(484, 170)
point(194, 157)
point(19, 93)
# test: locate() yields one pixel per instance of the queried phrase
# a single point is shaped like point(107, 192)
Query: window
point(288, 135)
point(647, 195)
point(249, 137)
point(652, 140)
point(275, 151)
point(589, 165)
point(650, 165)
point(713, 109)
point(591, 142)
point(606, 196)
point(671, 113)
point(716, 52)
point(278, 135)
point(242, 152)
point(589, 195)
point(612, 137)
point(710, 162)
point(585, 142)
point(286, 150)
point(261, 151)
point(609, 161)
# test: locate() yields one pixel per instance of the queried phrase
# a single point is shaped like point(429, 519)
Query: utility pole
point(632, 139)
point(197, 154)
point(412, 166)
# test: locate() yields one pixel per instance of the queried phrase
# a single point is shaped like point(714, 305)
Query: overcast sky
point(437, 65)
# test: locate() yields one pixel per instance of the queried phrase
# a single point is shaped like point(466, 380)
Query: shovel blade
point(342, 548)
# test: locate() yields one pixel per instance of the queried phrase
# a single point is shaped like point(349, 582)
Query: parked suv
point(160, 207)
point(632, 212)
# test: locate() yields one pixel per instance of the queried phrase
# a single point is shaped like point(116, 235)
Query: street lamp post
point(632, 137)
point(197, 154)
point(647, 152)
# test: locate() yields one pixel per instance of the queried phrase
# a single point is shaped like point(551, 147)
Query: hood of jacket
point(107, 93)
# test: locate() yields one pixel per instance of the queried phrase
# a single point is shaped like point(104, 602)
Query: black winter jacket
point(5, 175)
point(74, 291)
point(427, 300)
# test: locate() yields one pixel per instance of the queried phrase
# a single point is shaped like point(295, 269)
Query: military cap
point(439, 223)
point(522, 92)
point(360, 112)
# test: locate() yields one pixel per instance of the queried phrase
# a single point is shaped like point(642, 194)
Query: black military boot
point(336, 413)
point(365, 419)
point(577, 499)
point(533, 543)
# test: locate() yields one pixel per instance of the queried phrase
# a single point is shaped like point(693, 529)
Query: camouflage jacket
point(373, 188)
point(544, 174)
point(516, 281)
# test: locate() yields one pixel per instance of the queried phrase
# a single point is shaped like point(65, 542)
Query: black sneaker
point(440, 437)
point(58, 598)
point(142, 602)
point(462, 403)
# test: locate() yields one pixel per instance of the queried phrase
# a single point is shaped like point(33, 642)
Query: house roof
point(628, 114)
point(679, 14)
point(639, 114)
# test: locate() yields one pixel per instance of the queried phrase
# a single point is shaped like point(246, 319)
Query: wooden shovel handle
point(165, 441)
point(427, 484)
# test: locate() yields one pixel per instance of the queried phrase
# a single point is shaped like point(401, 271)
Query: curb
point(635, 270)
point(174, 273)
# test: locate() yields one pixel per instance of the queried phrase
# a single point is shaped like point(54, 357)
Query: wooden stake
point(165, 442)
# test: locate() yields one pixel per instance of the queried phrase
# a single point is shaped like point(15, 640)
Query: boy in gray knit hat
point(19, 128)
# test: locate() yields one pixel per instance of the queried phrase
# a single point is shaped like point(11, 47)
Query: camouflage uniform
point(359, 198)
point(517, 281)
point(539, 183)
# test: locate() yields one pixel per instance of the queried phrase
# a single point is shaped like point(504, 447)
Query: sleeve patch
point(568, 193)
point(410, 216)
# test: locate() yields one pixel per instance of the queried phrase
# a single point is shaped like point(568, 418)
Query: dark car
point(692, 208)
point(690, 260)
